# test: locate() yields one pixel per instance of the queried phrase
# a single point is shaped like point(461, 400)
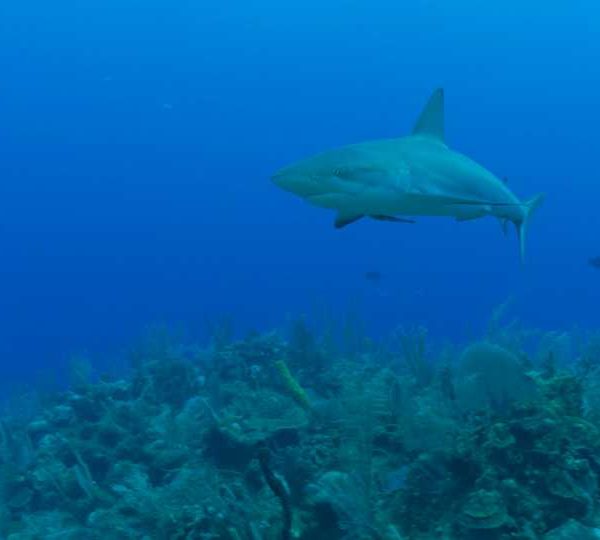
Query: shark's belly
point(384, 202)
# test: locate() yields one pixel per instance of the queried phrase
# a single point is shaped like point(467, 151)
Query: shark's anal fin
point(394, 219)
point(431, 121)
point(342, 220)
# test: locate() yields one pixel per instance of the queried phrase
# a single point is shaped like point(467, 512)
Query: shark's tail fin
point(522, 226)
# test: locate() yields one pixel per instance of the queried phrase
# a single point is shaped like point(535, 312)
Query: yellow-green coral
point(292, 386)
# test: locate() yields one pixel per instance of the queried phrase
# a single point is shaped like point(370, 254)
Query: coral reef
point(269, 439)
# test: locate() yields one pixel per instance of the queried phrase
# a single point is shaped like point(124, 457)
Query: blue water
point(137, 140)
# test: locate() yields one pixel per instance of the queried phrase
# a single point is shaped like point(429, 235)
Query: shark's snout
point(281, 179)
point(295, 180)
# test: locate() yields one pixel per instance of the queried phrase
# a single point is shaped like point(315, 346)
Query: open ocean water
point(188, 351)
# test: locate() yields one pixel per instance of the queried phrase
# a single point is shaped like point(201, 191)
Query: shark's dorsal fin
point(431, 121)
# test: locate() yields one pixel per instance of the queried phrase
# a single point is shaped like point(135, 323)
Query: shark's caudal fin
point(522, 226)
point(431, 121)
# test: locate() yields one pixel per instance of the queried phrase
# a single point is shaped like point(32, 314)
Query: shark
point(402, 178)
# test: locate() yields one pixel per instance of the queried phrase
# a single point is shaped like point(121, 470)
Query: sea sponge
point(484, 510)
point(490, 377)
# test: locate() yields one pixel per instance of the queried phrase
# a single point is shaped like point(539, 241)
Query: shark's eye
point(344, 173)
point(353, 173)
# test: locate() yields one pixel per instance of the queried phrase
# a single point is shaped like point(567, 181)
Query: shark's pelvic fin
point(431, 121)
point(394, 219)
point(522, 226)
point(342, 220)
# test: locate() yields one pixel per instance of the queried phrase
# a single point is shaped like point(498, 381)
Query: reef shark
point(415, 175)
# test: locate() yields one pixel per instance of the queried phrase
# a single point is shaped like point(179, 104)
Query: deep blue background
point(137, 139)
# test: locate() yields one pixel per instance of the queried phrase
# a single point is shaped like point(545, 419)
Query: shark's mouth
point(329, 200)
point(297, 185)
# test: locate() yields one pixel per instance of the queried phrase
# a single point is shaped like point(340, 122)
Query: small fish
point(373, 276)
point(595, 262)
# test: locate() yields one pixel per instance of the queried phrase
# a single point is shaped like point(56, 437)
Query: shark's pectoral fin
point(393, 219)
point(342, 220)
point(431, 121)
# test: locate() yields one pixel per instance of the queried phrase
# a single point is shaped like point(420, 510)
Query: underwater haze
point(137, 141)
point(188, 351)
